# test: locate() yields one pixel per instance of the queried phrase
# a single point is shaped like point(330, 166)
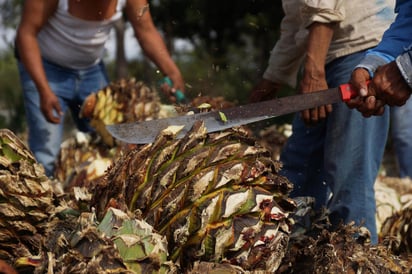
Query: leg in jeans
point(401, 133)
point(354, 148)
point(44, 137)
point(302, 159)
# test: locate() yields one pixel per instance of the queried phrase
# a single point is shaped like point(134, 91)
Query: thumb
point(363, 89)
point(360, 79)
point(58, 109)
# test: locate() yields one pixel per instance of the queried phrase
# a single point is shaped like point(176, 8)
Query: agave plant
point(26, 198)
point(216, 197)
point(41, 233)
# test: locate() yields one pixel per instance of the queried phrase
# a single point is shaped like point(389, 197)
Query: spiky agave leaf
point(216, 197)
point(26, 198)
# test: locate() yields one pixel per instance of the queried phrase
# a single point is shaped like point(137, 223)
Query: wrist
point(314, 74)
point(44, 91)
point(372, 61)
point(314, 70)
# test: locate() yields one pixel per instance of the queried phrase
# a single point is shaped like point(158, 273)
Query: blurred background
point(221, 47)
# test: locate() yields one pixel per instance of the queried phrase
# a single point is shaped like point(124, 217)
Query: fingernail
point(363, 92)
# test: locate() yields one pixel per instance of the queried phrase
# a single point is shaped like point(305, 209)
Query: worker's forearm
point(29, 54)
point(320, 37)
point(154, 48)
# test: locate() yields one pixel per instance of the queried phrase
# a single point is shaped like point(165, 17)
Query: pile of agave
point(203, 198)
point(211, 203)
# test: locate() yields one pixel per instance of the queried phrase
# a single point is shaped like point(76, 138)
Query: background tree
point(231, 41)
point(215, 26)
point(11, 102)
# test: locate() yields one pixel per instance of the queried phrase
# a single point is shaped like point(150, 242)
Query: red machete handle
point(348, 92)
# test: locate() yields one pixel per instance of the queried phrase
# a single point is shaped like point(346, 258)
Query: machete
point(146, 131)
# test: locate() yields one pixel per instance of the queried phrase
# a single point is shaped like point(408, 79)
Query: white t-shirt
point(73, 42)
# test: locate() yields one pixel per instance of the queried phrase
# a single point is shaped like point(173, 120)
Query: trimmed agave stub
point(217, 197)
point(26, 198)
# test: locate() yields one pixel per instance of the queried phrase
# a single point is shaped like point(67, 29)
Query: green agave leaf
point(13, 148)
point(138, 245)
point(208, 246)
point(130, 247)
point(111, 220)
point(10, 153)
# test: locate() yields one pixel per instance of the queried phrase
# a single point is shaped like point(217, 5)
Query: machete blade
point(146, 131)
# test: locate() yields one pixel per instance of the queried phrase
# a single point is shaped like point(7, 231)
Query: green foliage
point(215, 26)
point(11, 102)
point(232, 42)
point(10, 12)
point(201, 75)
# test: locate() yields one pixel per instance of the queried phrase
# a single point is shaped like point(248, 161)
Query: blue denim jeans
point(401, 133)
point(71, 87)
point(337, 161)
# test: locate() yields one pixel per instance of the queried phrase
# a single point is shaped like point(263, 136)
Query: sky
point(6, 36)
point(132, 47)
point(133, 50)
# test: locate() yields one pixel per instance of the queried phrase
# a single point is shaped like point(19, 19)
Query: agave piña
point(216, 197)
